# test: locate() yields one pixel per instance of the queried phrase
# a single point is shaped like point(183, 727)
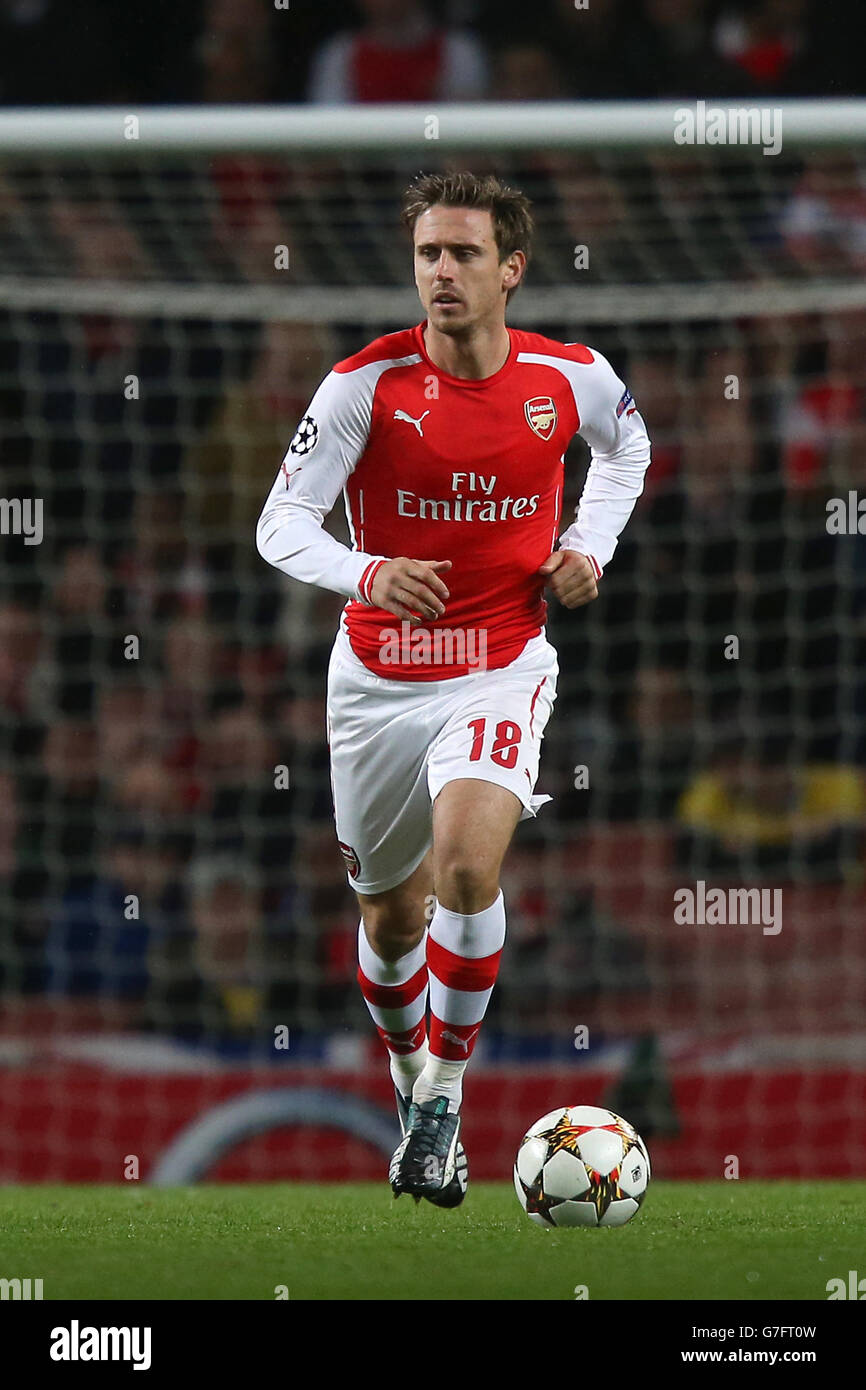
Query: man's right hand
point(411, 589)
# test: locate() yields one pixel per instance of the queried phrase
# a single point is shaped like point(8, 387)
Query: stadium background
point(152, 435)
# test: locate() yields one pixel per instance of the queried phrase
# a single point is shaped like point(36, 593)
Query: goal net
point(685, 918)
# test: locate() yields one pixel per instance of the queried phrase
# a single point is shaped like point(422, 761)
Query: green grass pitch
point(719, 1240)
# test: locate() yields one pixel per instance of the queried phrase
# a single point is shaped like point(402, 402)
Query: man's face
point(460, 279)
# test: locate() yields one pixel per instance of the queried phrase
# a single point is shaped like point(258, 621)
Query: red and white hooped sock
point(396, 995)
point(463, 952)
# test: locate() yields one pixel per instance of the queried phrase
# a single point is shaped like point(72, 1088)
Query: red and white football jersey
point(437, 467)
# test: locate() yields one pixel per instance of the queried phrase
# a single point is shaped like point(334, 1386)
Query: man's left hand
point(572, 578)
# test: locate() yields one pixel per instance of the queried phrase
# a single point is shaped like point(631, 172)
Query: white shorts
point(395, 744)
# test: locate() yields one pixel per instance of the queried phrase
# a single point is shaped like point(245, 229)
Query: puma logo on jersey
point(448, 1036)
point(401, 415)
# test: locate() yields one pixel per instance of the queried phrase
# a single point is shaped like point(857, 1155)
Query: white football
point(581, 1166)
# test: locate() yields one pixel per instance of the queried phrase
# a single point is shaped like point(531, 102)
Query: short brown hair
point(510, 210)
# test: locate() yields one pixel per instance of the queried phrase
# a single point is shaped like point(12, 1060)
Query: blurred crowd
point(424, 50)
point(167, 853)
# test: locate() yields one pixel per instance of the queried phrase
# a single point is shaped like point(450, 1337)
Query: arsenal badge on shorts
point(353, 863)
point(541, 415)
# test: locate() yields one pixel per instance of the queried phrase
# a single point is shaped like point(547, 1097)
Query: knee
point(463, 885)
point(390, 932)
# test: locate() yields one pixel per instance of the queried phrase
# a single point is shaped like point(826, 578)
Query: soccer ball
point(582, 1166)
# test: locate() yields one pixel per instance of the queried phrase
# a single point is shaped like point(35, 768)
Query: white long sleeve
point(620, 455)
point(323, 453)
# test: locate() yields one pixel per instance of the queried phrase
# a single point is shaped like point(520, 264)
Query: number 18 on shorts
point(395, 744)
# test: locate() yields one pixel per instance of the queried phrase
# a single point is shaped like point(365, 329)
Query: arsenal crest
point(541, 415)
point(353, 864)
